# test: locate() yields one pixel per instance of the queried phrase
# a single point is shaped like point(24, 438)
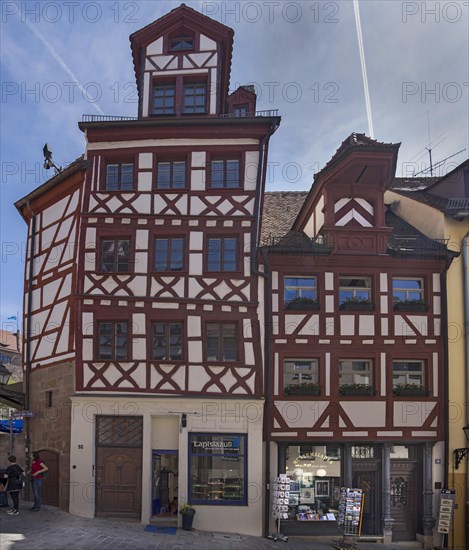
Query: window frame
point(196, 83)
point(210, 249)
point(167, 336)
point(171, 161)
point(221, 346)
point(354, 290)
point(119, 162)
point(299, 291)
point(240, 456)
point(170, 249)
point(370, 372)
point(311, 377)
point(408, 290)
point(114, 323)
point(164, 85)
point(423, 372)
point(115, 239)
point(226, 158)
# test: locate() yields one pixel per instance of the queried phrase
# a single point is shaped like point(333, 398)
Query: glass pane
point(127, 176)
point(229, 254)
point(217, 167)
point(123, 256)
point(105, 341)
point(163, 179)
point(159, 341)
point(214, 254)
point(179, 175)
point(161, 254)
point(232, 173)
point(121, 340)
point(213, 340)
point(229, 342)
point(177, 254)
point(175, 330)
point(112, 177)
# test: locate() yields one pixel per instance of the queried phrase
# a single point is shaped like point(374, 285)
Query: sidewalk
point(53, 529)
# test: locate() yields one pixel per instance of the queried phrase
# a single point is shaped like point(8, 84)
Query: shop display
point(280, 498)
point(350, 516)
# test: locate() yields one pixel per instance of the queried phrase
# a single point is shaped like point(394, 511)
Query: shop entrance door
point(368, 478)
point(165, 484)
point(405, 486)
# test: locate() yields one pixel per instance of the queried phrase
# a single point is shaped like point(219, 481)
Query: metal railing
point(106, 118)
point(458, 204)
point(110, 118)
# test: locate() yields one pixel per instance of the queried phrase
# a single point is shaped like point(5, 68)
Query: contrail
point(60, 61)
point(362, 61)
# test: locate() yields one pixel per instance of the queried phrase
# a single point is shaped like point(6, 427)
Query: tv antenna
point(48, 162)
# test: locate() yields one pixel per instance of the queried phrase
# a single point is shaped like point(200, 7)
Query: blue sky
point(60, 60)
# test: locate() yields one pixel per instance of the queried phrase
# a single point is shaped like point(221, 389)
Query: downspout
point(27, 371)
point(444, 330)
point(465, 244)
point(266, 274)
point(140, 86)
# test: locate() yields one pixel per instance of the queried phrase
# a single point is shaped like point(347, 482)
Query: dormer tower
point(182, 65)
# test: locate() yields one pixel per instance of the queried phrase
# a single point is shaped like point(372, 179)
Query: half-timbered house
point(356, 374)
point(153, 309)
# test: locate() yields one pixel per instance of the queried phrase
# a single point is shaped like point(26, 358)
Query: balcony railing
point(458, 204)
point(106, 118)
point(110, 118)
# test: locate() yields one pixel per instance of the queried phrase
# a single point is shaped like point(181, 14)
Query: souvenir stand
point(280, 490)
point(350, 516)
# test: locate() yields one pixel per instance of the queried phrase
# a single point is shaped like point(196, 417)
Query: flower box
point(302, 389)
point(410, 305)
point(356, 389)
point(302, 304)
point(357, 305)
point(410, 389)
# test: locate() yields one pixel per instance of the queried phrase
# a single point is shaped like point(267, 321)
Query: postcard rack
point(350, 516)
point(280, 491)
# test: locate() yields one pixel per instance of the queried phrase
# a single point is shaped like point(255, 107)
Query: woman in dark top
point(14, 475)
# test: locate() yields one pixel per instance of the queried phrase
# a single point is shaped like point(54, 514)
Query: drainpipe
point(27, 372)
point(465, 244)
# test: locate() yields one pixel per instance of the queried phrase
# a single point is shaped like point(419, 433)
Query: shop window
point(221, 343)
point(113, 340)
point(354, 291)
point(119, 177)
point(300, 293)
point(169, 254)
point(222, 254)
point(225, 173)
point(315, 482)
point(195, 97)
point(355, 377)
point(218, 469)
point(167, 341)
point(171, 175)
point(115, 255)
point(301, 377)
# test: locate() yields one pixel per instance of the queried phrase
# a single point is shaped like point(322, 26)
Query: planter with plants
point(302, 304)
point(409, 389)
point(356, 389)
point(362, 304)
point(410, 305)
point(188, 513)
point(303, 389)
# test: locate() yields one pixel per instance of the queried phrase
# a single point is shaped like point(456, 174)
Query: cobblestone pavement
point(53, 529)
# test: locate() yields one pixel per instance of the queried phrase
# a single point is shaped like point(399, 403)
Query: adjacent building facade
point(191, 336)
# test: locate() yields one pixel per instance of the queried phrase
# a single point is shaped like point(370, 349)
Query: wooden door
point(367, 478)
point(405, 488)
point(119, 466)
point(50, 483)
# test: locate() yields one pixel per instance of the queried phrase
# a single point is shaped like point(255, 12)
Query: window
point(225, 174)
point(171, 175)
point(167, 341)
point(195, 97)
point(221, 342)
point(115, 255)
point(169, 254)
point(241, 110)
point(218, 469)
point(120, 177)
point(181, 42)
point(355, 371)
point(222, 254)
point(407, 289)
point(300, 293)
point(407, 373)
point(164, 99)
point(300, 376)
point(354, 289)
point(113, 340)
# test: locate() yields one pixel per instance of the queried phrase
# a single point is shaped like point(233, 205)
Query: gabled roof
point(280, 211)
point(188, 17)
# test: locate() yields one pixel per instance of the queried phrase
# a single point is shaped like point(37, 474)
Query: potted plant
point(188, 513)
point(409, 389)
point(364, 304)
point(356, 389)
point(308, 388)
point(410, 305)
point(304, 304)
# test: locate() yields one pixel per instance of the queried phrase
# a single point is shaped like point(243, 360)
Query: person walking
point(14, 475)
point(38, 469)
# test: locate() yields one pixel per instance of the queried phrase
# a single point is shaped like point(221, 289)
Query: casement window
point(195, 97)
point(355, 371)
point(408, 373)
point(300, 293)
point(181, 42)
point(113, 343)
point(222, 254)
point(222, 342)
point(354, 289)
point(115, 255)
point(225, 173)
point(171, 174)
point(119, 176)
point(166, 341)
point(407, 289)
point(300, 372)
point(169, 254)
point(164, 99)
point(218, 467)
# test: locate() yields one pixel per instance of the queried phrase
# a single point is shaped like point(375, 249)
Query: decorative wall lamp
point(459, 454)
